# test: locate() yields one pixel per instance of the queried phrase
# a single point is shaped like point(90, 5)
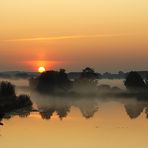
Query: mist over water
point(63, 122)
point(113, 82)
point(43, 103)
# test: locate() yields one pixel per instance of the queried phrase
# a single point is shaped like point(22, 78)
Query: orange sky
point(109, 35)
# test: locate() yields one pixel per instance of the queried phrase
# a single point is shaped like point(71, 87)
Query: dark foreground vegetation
point(9, 101)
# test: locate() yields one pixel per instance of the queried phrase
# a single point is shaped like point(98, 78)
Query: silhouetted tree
point(6, 89)
point(8, 99)
point(24, 100)
point(134, 82)
point(87, 81)
point(53, 81)
point(88, 73)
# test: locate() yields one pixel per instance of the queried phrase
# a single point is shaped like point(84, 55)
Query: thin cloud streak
point(67, 37)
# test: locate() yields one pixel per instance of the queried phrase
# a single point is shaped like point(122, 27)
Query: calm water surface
point(76, 122)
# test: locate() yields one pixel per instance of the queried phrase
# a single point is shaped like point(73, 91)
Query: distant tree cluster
point(134, 82)
point(58, 81)
point(88, 73)
point(53, 81)
point(87, 82)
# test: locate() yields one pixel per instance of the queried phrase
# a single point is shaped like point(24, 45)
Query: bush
point(134, 82)
point(24, 100)
point(7, 89)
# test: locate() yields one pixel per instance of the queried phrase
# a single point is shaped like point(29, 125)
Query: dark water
point(70, 122)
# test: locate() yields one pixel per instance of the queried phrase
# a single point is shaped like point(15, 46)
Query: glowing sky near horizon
point(108, 35)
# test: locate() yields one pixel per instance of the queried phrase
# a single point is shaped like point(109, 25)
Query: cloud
point(66, 37)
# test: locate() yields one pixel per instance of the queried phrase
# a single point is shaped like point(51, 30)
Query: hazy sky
point(108, 35)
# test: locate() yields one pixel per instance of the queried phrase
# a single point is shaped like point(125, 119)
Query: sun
point(41, 69)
